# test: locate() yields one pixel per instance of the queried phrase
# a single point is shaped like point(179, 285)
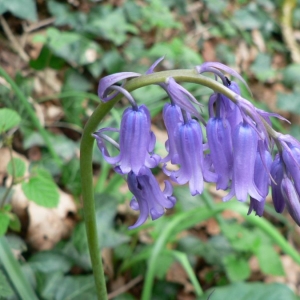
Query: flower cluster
point(237, 152)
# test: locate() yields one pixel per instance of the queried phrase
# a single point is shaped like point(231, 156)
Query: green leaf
point(8, 119)
point(262, 67)
point(289, 102)
point(14, 222)
point(165, 290)
point(216, 6)
point(5, 289)
point(72, 47)
point(291, 75)
point(16, 167)
point(47, 284)
point(163, 263)
point(251, 291)
point(237, 269)
point(240, 238)
point(245, 19)
point(76, 288)
point(24, 9)
point(4, 222)
point(47, 59)
point(41, 189)
point(50, 261)
point(106, 207)
point(269, 260)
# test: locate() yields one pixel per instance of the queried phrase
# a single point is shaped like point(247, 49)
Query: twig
point(13, 40)
point(39, 24)
point(125, 287)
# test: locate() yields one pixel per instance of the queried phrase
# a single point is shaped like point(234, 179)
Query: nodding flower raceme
point(238, 155)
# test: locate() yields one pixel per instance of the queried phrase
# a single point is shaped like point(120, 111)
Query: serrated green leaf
point(5, 289)
point(8, 119)
point(24, 9)
point(237, 269)
point(269, 260)
point(16, 167)
point(41, 189)
point(4, 222)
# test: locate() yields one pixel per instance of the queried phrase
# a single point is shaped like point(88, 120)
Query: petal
point(153, 66)
point(182, 97)
point(107, 81)
point(224, 68)
point(291, 199)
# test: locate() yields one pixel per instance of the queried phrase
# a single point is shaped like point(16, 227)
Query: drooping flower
point(148, 198)
point(188, 143)
point(137, 142)
point(277, 173)
point(291, 198)
point(172, 117)
point(245, 142)
point(291, 158)
point(262, 168)
point(219, 140)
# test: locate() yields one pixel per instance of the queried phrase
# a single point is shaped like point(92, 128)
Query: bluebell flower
point(148, 198)
point(172, 116)
point(220, 144)
point(291, 158)
point(137, 142)
point(262, 168)
point(277, 173)
point(291, 198)
point(245, 142)
point(189, 147)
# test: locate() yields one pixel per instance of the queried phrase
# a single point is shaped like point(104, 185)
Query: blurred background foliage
point(52, 54)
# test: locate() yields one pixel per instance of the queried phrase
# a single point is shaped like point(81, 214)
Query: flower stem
point(86, 170)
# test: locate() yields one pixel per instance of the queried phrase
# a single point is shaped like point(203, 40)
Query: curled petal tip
point(107, 81)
